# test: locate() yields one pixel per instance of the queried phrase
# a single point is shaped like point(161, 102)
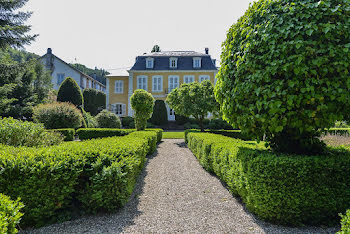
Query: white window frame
point(149, 62)
point(159, 86)
point(197, 62)
point(178, 82)
point(119, 109)
point(203, 77)
point(188, 79)
point(119, 86)
point(58, 80)
point(144, 85)
point(173, 62)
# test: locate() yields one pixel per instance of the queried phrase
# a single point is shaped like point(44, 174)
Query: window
point(142, 82)
point(60, 78)
point(84, 82)
point(149, 62)
point(173, 62)
point(119, 86)
point(173, 82)
point(157, 83)
point(118, 109)
point(89, 83)
point(196, 62)
point(188, 79)
point(203, 77)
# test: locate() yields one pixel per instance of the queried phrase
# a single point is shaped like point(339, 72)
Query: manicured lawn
point(173, 135)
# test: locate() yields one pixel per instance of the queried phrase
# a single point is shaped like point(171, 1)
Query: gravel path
point(175, 194)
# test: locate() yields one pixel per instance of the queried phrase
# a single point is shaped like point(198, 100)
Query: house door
point(171, 116)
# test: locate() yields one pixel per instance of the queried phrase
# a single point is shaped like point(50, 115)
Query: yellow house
point(158, 73)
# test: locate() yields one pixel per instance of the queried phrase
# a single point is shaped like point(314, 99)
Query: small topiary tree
point(107, 119)
point(194, 99)
point(160, 115)
point(69, 91)
point(58, 115)
point(142, 103)
point(94, 101)
point(285, 72)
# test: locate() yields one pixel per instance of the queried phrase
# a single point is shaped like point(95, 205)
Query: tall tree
point(13, 31)
point(194, 99)
point(69, 91)
point(156, 48)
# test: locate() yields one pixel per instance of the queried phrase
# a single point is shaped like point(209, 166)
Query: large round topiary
point(58, 115)
point(142, 103)
point(107, 119)
point(160, 114)
point(69, 91)
point(285, 71)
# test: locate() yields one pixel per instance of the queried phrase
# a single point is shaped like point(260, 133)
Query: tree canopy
point(285, 72)
point(193, 99)
point(156, 48)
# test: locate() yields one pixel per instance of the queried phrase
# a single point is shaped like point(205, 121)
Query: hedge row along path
point(175, 194)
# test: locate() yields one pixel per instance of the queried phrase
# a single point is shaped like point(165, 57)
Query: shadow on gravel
point(181, 144)
point(103, 222)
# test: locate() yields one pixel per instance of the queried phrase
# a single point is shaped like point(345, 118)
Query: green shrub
point(160, 114)
point(345, 223)
point(219, 124)
point(107, 119)
point(67, 133)
point(127, 121)
point(132, 124)
point(20, 133)
point(94, 101)
point(149, 125)
point(58, 115)
point(86, 176)
point(92, 133)
point(159, 132)
point(89, 120)
point(69, 91)
point(339, 131)
point(282, 57)
point(10, 214)
point(142, 103)
point(280, 188)
point(180, 119)
point(191, 126)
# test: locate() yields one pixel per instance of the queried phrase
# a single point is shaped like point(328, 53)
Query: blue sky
point(111, 33)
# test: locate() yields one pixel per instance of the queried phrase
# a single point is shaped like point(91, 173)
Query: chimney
point(214, 61)
point(206, 50)
point(49, 50)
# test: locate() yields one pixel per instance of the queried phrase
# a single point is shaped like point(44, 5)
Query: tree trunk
point(200, 121)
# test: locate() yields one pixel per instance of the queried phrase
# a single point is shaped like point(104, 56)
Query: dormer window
point(197, 62)
point(173, 62)
point(149, 62)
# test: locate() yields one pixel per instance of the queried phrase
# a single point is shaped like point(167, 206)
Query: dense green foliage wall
point(280, 188)
point(282, 57)
point(94, 101)
point(10, 214)
point(88, 176)
point(160, 114)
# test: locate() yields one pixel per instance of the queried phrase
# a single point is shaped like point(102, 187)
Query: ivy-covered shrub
point(285, 69)
point(10, 214)
point(94, 101)
point(127, 121)
point(92, 133)
point(160, 114)
point(345, 223)
point(280, 188)
point(69, 91)
point(89, 120)
point(107, 119)
point(58, 115)
point(142, 103)
point(67, 133)
point(87, 176)
point(20, 133)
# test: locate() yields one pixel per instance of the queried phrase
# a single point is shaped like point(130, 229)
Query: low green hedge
point(68, 133)
point(345, 223)
point(284, 189)
point(92, 133)
point(87, 176)
point(229, 133)
point(159, 132)
point(10, 214)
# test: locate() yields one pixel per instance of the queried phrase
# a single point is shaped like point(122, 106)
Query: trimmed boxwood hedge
point(87, 176)
point(283, 189)
point(68, 133)
point(92, 133)
point(10, 214)
point(339, 131)
point(345, 223)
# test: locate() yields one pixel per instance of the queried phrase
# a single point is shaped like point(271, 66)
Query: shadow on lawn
point(103, 222)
